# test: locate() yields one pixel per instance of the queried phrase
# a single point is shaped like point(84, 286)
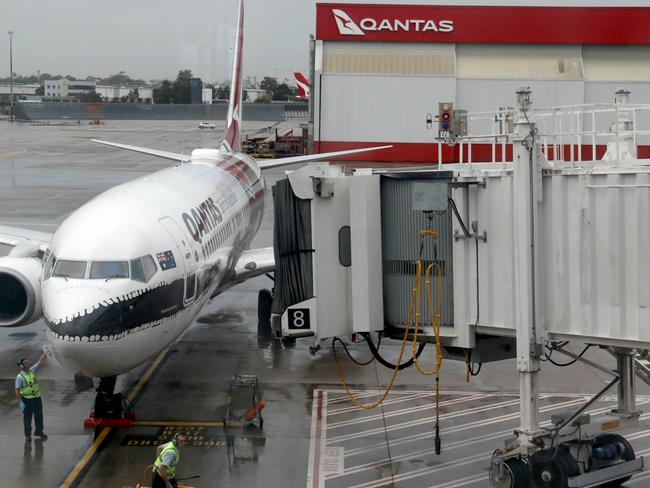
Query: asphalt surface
point(47, 172)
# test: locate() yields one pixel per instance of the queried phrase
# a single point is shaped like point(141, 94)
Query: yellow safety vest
point(171, 469)
point(30, 388)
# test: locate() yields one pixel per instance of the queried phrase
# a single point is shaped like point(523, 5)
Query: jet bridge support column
point(526, 195)
point(626, 391)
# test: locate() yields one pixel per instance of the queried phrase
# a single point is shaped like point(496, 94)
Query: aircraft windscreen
point(142, 269)
point(109, 269)
point(69, 269)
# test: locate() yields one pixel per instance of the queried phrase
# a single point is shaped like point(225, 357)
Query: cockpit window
point(49, 266)
point(69, 269)
point(143, 268)
point(109, 269)
point(149, 266)
point(137, 273)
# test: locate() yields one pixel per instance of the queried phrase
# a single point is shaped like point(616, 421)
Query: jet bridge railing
point(569, 135)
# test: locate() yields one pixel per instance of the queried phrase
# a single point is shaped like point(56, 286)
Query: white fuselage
point(193, 221)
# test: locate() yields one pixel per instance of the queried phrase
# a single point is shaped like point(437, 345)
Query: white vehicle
point(207, 125)
point(126, 273)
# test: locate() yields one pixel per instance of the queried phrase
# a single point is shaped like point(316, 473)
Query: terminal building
point(381, 68)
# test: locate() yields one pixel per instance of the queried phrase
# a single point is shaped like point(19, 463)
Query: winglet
point(232, 138)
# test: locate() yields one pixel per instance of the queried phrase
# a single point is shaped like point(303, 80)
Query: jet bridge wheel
point(627, 454)
point(514, 474)
point(552, 468)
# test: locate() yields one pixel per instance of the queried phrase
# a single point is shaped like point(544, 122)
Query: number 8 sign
point(298, 318)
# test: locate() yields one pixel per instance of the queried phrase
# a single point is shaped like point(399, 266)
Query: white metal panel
point(370, 108)
point(616, 63)
point(397, 58)
point(332, 281)
point(365, 225)
point(595, 255)
point(486, 95)
point(519, 61)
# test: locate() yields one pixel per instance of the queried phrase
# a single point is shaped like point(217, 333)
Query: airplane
point(303, 85)
point(126, 273)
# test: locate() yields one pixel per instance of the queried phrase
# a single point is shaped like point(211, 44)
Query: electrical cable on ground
point(355, 361)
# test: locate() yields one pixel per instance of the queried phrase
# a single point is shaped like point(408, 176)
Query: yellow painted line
point(159, 423)
point(147, 375)
point(100, 438)
point(86, 457)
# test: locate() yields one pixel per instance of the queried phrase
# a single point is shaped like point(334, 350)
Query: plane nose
point(80, 318)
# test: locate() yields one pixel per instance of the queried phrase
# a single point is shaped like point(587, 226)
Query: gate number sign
point(299, 319)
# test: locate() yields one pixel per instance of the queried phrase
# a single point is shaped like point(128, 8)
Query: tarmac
point(311, 434)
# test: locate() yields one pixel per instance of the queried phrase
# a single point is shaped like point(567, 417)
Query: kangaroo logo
point(346, 25)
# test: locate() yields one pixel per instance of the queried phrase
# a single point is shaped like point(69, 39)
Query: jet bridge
point(508, 259)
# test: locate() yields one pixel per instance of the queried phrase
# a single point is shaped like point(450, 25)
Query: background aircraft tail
point(232, 137)
point(303, 85)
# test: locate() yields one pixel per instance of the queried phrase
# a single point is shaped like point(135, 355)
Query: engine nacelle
point(20, 291)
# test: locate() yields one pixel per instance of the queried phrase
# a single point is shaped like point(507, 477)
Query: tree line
point(177, 91)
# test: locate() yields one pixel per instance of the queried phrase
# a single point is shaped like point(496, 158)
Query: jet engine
point(20, 290)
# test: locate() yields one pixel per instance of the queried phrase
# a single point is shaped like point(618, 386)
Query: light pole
point(11, 75)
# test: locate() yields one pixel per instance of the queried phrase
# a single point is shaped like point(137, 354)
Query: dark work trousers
point(158, 482)
point(33, 406)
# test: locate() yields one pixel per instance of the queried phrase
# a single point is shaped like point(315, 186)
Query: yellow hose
point(414, 304)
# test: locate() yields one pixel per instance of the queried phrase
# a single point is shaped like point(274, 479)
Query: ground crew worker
point(164, 469)
point(29, 394)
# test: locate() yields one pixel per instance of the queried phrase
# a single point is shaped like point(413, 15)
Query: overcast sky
point(153, 39)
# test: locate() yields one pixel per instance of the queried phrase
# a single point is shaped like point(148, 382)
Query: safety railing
point(570, 135)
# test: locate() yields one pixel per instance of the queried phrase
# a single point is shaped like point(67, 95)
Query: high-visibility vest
point(171, 469)
point(30, 388)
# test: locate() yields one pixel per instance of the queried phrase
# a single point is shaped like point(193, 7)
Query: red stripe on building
point(486, 24)
point(427, 153)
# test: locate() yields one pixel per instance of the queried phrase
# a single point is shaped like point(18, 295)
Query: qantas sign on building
point(482, 24)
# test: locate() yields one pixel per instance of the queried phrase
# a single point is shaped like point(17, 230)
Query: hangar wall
point(381, 92)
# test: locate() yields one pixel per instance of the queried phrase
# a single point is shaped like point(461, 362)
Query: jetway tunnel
point(490, 261)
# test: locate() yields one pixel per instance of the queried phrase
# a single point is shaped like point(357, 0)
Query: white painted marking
point(404, 411)
point(432, 419)
point(333, 461)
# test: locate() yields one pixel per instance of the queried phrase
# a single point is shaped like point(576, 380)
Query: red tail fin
point(232, 138)
point(303, 85)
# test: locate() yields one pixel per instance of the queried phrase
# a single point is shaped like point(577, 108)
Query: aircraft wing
point(252, 263)
point(15, 236)
point(144, 150)
point(274, 163)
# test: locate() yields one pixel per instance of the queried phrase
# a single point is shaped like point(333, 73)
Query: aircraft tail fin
point(232, 138)
point(303, 85)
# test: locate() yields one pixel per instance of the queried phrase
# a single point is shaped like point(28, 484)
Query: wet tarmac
point(46, 172)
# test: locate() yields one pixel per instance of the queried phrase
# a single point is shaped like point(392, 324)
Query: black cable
point(548, 357)
point(477, 285)
point(360, 363)
point(375, 353)
point(460, 219)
